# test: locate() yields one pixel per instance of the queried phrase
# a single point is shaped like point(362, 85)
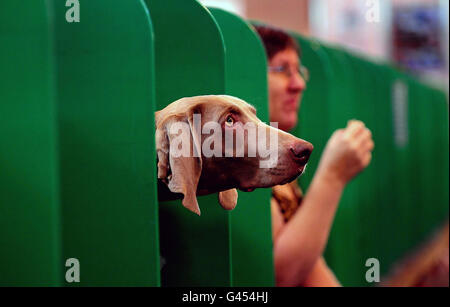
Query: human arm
point(321, 276)
point(299, 244)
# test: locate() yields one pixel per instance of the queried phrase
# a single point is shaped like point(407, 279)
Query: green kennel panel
point(419, 138)
point(328, 103)
point(106, 136)
point(29, 203)
point(405, 176)
point(383, 239)
point(427, 161)
point(424, 162)
point(246, 77)
point(440, 100)
point(370, 103)
point(343, 106)
point(410, 206)
point(441, 163)
point(190, 61)
point(437, 207)
point(380, 215)
point(313, 124)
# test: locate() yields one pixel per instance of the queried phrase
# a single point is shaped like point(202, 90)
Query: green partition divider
point(106, 124)
point(437, 206)
point(190, 61)
point(314, 118)
point(374, 110)
point(441, 158)
point(418, 118)
point(421, 181)
point(424, 164)
point(428, 142)
point(403, 173)
point(246, 77)
point(343, 107)
point(388, 214)
point(313, 124)
point(29, 191)
point(398, 201)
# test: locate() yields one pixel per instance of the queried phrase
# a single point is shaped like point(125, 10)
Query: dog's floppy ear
point(162, 150)
point(181, 167)
point(228, 199)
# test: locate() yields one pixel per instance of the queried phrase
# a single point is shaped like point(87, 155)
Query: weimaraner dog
point(210, 144)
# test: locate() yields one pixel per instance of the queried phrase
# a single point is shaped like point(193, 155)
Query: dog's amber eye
point(229, 121)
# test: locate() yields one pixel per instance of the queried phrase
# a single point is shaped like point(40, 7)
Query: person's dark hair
point(275, 40)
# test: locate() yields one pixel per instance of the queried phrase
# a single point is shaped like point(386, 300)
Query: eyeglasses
point(288, 72)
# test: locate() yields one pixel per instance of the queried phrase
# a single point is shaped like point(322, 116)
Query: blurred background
point(412, 33)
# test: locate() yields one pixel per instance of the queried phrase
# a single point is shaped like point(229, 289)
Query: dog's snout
point(301, 151)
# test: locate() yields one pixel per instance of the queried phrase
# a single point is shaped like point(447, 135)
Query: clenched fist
point(347, 153)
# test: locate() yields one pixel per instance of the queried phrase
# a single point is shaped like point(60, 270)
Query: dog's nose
point(301, 151)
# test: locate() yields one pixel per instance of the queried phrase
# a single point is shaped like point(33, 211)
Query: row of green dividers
point(78, 162)
point(78, 154)
point(217, 54)
point(402, 197)
point(246, 78)
point(190, 61)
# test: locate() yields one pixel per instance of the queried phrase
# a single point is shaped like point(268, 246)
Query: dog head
point(209, 144)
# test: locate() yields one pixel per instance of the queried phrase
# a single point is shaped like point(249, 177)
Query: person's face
point(286, 86)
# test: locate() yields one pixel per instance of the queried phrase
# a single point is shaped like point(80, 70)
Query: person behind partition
point(301, 223)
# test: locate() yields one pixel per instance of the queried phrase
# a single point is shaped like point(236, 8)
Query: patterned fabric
point(288, 198)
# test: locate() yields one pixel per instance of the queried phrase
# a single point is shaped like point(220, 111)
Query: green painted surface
point(246, 78)
point(402, 160)
point(428, 139)
point(29, 204)
point(190, 61)
point(106, 135)
point(441, 114)
point(386, 219)
point(344, 107)
point(313, 124)
point(398, 201)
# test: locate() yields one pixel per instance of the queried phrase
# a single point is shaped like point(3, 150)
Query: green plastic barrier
point(313, 124)
point(106, 136)
point(387, 223)
point(424, 161)
point(246, 77)
point(437, 134)
point(402, 197)
point(418, 118)
point(427, 142)
point(442, 111)
point(315, 117)
point(342, 108)
point(441, 163)
point(372, 110)
point(29, 201)
point(190, 61)
point(403, 173)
